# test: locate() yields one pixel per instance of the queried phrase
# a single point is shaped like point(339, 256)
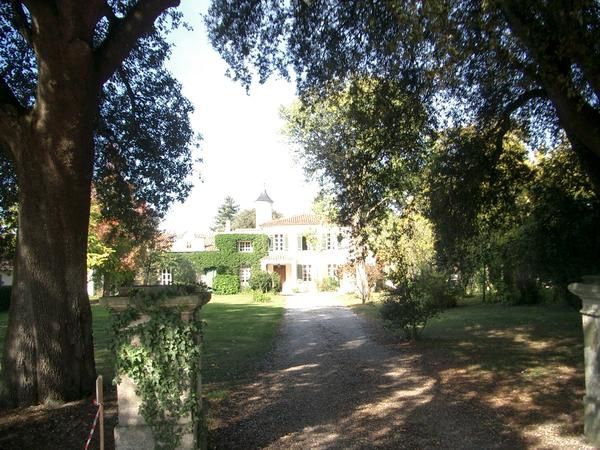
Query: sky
point(242, 150)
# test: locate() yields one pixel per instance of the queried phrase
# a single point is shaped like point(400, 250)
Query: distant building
point(303, 249)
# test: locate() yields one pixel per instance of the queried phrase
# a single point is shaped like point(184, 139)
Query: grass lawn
point(101, 327)
point(500, 338)
point(523, 362)
point(238, 332)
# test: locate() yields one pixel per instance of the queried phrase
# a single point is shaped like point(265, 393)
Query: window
point(188, 244)
point(166, 277)
point(245, 273)
point(332, 270)
point(244, 246)
point(304, 272)
point(329, 241)
point(278, 242)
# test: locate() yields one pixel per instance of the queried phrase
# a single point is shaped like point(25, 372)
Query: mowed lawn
point(237, 335)
point(238, 332)
point(525, 363)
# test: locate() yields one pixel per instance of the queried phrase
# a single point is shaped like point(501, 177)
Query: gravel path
point(330, 383)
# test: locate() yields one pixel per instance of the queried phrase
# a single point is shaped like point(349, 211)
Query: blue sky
point(242, 148)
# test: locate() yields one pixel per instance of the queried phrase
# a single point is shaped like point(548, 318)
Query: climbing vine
point(160, 352)
point(228, 259)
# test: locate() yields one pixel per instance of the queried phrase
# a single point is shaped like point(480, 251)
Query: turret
point(264, 209)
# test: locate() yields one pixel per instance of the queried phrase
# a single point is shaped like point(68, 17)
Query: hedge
point(226, 284)
point(227, 259)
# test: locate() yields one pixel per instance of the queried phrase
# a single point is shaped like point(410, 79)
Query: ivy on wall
point(227, 259)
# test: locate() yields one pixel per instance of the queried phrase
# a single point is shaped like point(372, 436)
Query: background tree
point(502, 64)
point(83, 95)
point(364, 144)
point(122, 255)
point(227, 211)
point(246, 218)
point(474, 204)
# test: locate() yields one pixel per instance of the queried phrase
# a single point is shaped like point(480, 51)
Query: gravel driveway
point(331, 383)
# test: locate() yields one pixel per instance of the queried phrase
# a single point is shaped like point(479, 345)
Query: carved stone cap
point(589, 289)
point(589, 292)
point(186, 302)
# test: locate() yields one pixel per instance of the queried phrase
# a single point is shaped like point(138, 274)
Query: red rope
point(89, 439)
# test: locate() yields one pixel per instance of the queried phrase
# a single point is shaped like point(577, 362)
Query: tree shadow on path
point(330, 384)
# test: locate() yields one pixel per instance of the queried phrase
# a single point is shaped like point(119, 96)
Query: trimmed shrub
point(226, 284)
point(276, 282)
point(264, 281)
point(260, 281)
point(5, 292)
point(328, 284)
point(408, 309)
point(260, 297)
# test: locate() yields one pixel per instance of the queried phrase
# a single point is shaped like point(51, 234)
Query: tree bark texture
point(49, 349)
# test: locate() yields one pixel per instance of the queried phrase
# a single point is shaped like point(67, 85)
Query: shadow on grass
point(333, 386)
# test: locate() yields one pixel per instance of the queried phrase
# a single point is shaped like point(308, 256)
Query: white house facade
point(303, 249)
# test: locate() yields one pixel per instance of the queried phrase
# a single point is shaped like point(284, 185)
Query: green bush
point(437, 290)
point(264, 281)
point(260, 281)
point(408, 309)
point(260, 297)
point(5, 292)
point(328, 284)
point(226, 284)
point(276, 282)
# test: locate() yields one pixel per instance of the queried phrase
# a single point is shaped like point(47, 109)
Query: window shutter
point(300, 242)
point(299, 271)
point(285, 242)
point(323, 241)
point(270, 243)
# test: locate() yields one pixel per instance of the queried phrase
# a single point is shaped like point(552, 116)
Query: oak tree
point(83, 95)
point(499, 64)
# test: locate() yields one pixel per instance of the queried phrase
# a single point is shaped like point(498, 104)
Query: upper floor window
point(278, 242)
point(166, 277)
point(244, 246)
point(330, 241)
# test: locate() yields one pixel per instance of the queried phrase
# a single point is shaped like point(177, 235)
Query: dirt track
point(330, 383)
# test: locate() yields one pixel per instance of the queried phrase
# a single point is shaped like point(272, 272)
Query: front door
point(281, 271)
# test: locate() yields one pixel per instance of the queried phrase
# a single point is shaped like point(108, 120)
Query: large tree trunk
point(49, 351)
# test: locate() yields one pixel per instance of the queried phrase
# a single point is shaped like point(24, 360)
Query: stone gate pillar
point(132, 431)
point(589, 292)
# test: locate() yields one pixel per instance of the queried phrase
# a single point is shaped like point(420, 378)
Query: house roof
point(264, 197)
point(301, 219)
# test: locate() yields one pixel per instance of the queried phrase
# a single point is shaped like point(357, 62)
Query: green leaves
point(161, 355)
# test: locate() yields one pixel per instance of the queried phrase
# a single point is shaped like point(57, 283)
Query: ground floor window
point(245, 275)
point(166, 277)
point(305, 272)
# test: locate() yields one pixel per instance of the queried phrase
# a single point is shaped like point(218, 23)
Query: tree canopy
point(84, 97)
point(143, 138)
point(500, 64)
